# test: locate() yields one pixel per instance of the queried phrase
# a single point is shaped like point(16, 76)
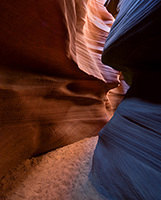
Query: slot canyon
point(80, 103)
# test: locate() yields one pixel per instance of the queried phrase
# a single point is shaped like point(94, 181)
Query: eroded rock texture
point(46, 100)
point(126, 162)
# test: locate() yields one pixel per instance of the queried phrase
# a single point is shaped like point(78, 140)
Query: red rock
point(46, 100)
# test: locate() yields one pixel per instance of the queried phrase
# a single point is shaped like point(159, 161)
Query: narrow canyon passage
point(80, 114)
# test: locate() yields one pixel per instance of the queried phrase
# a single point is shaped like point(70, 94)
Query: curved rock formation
point(135, 28)
point(126, 162)
point(46, 100)
point(95, 31)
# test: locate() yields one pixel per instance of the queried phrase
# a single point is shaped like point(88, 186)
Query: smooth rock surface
point(40, 113)
point(126, 162)
point(127, 158)
point(46, 100)
point(134, 38)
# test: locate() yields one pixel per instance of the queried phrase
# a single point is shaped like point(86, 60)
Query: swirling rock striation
point(134, 38)
point(46, 100)
point(126, 162)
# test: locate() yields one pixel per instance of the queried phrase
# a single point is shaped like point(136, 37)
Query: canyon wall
point(53, 85)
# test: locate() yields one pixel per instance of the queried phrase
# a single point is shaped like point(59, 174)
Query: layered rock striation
point(126, 162)
point(52, 83)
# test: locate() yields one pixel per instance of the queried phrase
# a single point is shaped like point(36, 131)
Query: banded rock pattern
point(46, 100)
